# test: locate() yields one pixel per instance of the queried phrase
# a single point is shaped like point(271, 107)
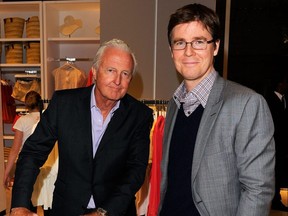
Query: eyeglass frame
point(192, 42)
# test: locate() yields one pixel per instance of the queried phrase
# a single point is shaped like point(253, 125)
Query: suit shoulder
point(236, 87)
point(237, 92)
point(72, 92)
point(233, 88)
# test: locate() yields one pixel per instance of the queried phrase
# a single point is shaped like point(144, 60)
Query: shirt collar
point(94, 104)
point(200, 92)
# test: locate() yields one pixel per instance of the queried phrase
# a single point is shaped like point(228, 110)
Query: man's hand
point(7, 181)
point(21, 211)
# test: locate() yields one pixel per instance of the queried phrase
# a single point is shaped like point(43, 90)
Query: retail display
point(70, 25)
point(32, 46)
point(33, 52)
point(14, 53)
point(13, 27)
point(33, 27)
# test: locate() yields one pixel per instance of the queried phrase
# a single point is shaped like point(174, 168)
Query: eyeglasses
point(199, 44)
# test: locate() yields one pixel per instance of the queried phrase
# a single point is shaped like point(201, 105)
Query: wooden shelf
point(4, 65)
point(9, 40)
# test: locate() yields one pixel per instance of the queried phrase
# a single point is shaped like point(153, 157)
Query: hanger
point(69, 64)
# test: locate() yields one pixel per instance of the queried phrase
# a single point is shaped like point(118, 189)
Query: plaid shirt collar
point(199, 95)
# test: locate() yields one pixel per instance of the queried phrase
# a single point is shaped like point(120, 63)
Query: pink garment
point(154, 196)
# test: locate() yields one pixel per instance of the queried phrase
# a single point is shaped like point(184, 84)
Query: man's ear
point(94, 73)
point(171, 51)
point(216, 49)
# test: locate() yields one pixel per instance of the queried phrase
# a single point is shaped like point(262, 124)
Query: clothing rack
point(154, 102)
point(46, 101)
point(159, 107)
point(69, 59)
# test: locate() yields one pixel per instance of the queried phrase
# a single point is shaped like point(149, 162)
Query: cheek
point(101, 80)
point(176, 57)
point(125, 84)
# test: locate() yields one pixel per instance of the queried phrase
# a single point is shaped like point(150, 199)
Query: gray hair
point(116, 43)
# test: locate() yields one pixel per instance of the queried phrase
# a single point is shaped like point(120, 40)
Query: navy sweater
point(178, 199)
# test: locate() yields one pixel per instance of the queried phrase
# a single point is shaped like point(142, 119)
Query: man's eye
point(179, 43)
point(110, 70)
point(199, 42)
point(126, 74)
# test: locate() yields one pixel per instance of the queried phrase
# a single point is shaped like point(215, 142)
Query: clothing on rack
point(90, 80)
point(154, 195)
point(69, 76)
point(8, 102)
point(23, 85)
point(142, 195)
point(44, 186)
point(148, 197)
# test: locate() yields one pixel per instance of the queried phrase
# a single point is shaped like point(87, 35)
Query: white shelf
point(19, 7)
point(8, 137)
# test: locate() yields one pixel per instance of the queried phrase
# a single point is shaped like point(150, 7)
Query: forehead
point(114, 56)
point(194, 29)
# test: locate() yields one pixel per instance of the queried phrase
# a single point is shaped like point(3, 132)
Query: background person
point(103, 142)
point(218, 147)
point(23, 127)
point(277, 104)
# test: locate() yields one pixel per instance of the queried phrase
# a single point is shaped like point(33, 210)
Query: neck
point(105, 106)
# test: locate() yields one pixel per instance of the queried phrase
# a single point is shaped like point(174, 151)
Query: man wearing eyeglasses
point(218, 146)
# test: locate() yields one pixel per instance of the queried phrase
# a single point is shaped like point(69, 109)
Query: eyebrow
point(195, 38)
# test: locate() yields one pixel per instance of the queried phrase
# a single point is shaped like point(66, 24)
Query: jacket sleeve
point(255, 150)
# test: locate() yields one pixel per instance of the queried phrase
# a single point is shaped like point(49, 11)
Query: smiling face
point(113, 75)
point(193, 65)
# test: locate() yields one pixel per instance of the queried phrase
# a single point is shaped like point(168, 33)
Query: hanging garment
point(22, 87)
point(8, 103)
point(142, 195)
point(68, 76)
point(90, 80)
point(44, 186)
point(154, 195)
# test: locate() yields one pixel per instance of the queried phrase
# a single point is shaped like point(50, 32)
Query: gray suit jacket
point(233, 163)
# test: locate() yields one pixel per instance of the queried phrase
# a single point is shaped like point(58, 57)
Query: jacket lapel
point(85, 108)
point(168, 131)
point(115, 123)
point(211, 111)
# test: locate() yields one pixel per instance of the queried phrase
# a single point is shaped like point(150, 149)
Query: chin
point(115, 98)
